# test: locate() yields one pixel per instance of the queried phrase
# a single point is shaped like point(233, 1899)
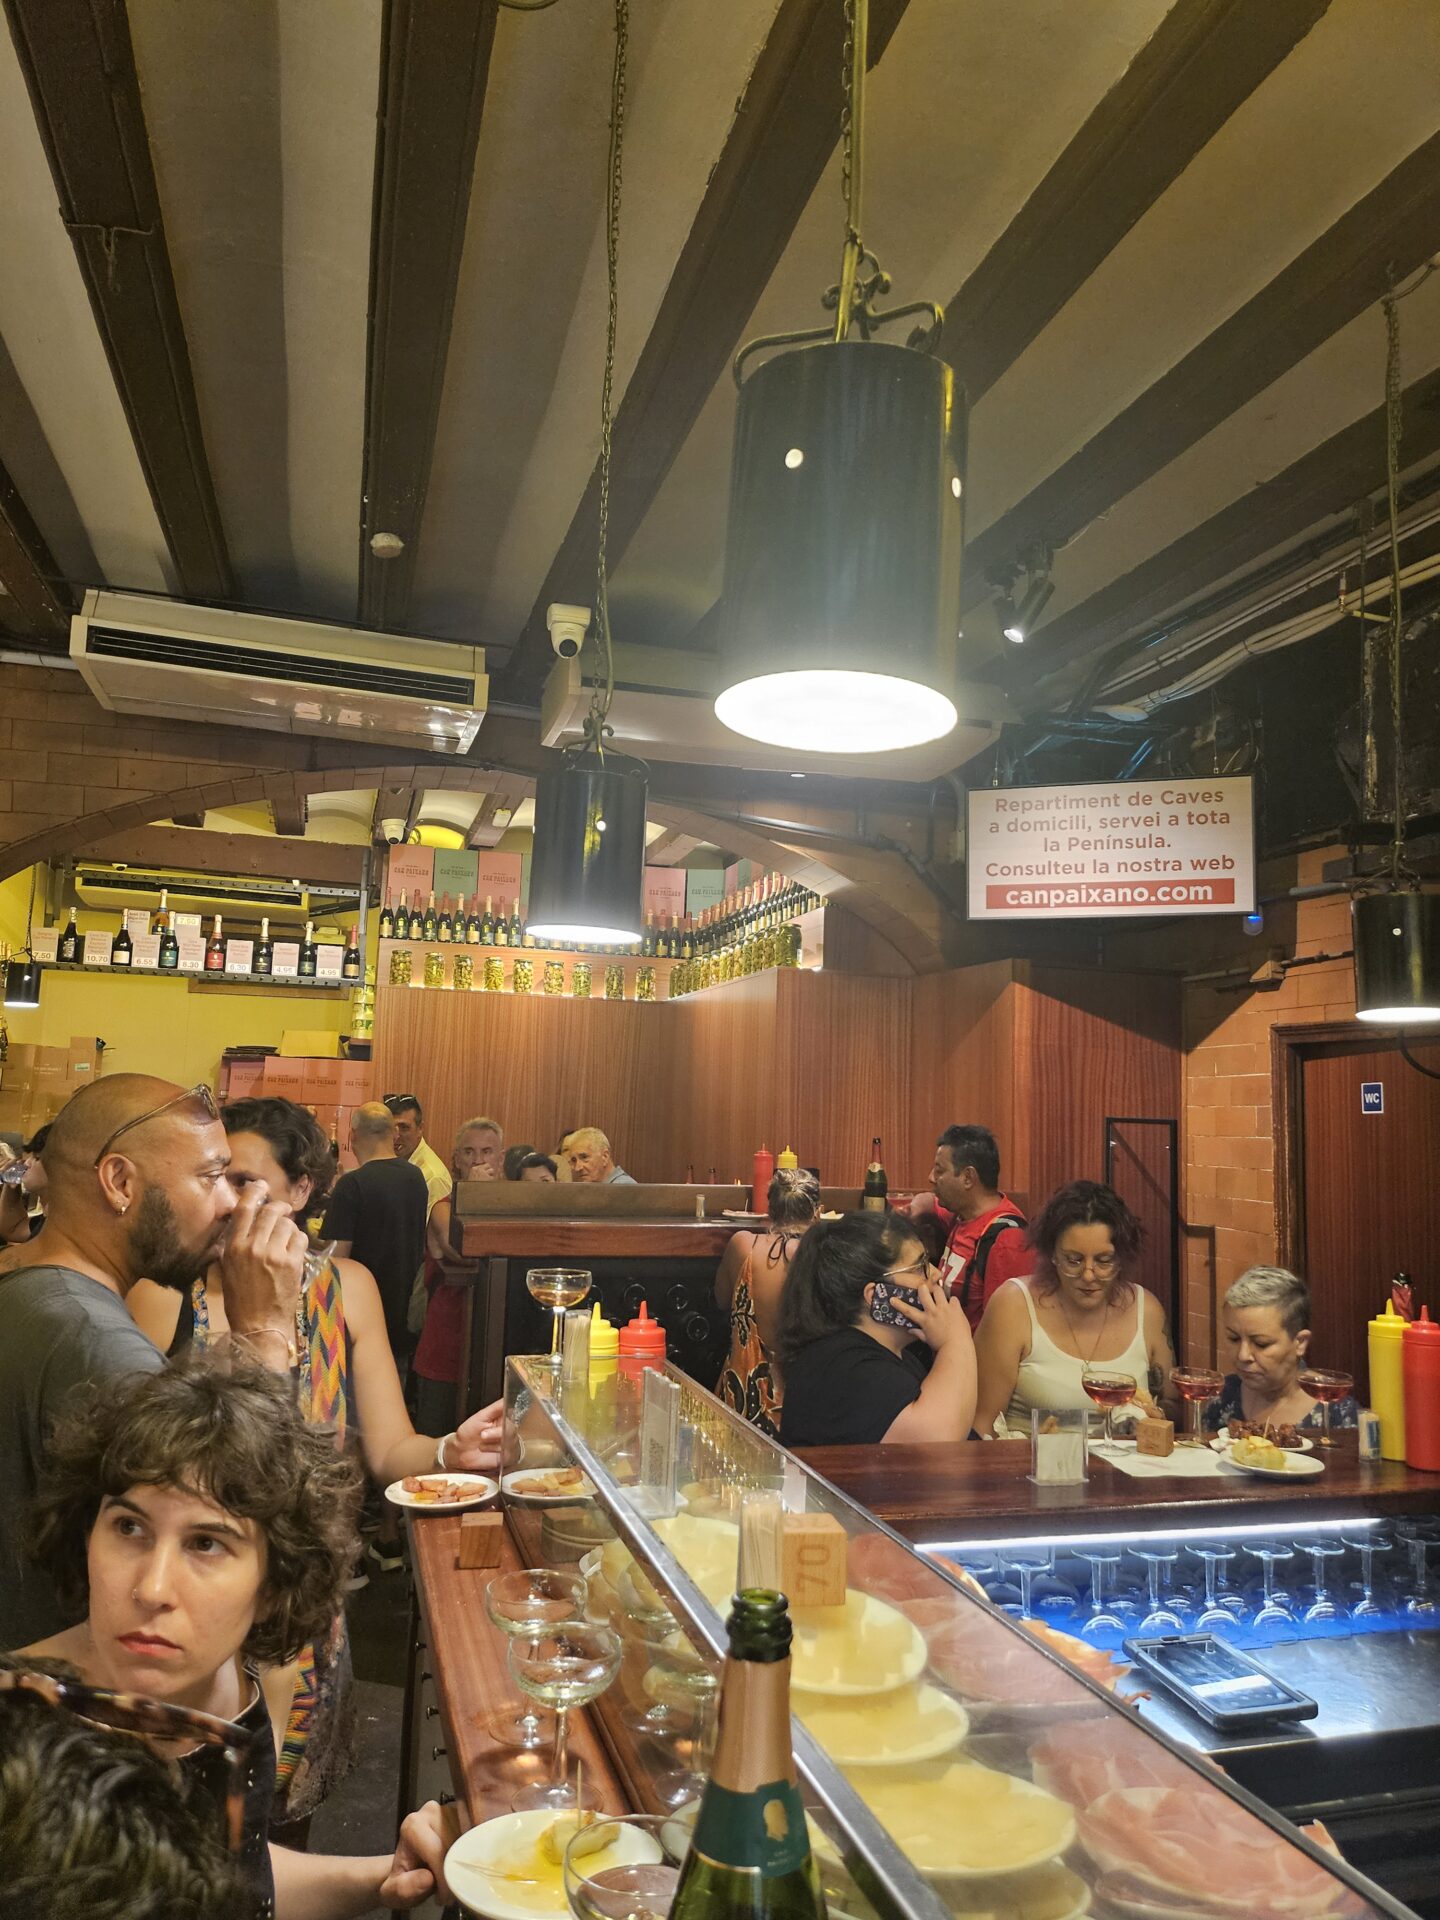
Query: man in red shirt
point(987, 1242)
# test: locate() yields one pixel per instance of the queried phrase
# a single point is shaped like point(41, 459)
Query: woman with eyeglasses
point(201, 1529)
point(1079, 1311)
point(871, 1347)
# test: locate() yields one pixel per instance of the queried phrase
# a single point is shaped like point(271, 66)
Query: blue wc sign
point(1372, 1096)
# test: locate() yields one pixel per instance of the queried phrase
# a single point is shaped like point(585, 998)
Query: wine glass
point(1421, 1603)
point(562, 1666)
point(1195, 1386)
point(1025, 1565)
point(520, 1603)
point(1326, 1386)
point(1323, 1611)
point(1108, 1389)
point(1103, 1622)
point(1275, 1615)
point(1217, 1612)
point(1160, 1617)
point(558, 1288)
point(315, 1263)
point(1367, 1609)
point(678, 1677)
point(634, 1877)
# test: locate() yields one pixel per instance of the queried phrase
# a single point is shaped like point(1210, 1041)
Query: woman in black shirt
point(854, 1361)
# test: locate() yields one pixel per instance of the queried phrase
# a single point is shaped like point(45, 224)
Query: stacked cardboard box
point(36, 1081)
point(329, 1088)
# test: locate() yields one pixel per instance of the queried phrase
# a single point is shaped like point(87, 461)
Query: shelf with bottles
point(546, 972)
point(177, 947)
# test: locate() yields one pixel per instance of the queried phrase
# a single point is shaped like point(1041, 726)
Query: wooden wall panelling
point(714, 1078)
point(962, 1067)
point(843, 1055)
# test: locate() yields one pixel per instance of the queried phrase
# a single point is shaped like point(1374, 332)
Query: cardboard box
point(283, 1079)
point(299, 1043)
point(355, 1082)
point(327, 1119)
point(323, 1081)
point(244, 1079)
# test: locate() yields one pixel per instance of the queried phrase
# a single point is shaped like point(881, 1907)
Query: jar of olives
point(494, 975)
point(522, 976)
point(434, 969)
point(401, 966)
point(464, 975)
point(614, 983)
point(580, 980)
point(554, 977)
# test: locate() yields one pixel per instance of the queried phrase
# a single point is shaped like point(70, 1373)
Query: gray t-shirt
point(60, 1333)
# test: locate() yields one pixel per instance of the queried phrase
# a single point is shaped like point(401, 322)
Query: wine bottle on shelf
point(69, 947)
point(350, 968)
point(387, 920)
point(750, 1852)
point(308, 956)
point(168, 958)
point(647, 938)
point(430, 924)
point(263, 959)
point(122, 950)
point(687, 940)
point(444, 923)
point(473, 936)
point(875, 1196)
point(487, 925)
point(517, 930)
point(215, 949)
point(401, 921)
point(502, 927)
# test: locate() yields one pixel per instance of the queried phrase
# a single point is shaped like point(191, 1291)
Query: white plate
point(842, 1729)
point(488, 1867)
point(480, 1488)
point(585, 1491)
point(1299, 1466)
point(1221, 1443)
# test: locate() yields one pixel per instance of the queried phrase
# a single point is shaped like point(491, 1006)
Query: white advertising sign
point(1132, 849)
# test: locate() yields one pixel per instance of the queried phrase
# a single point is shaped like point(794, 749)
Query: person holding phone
point(861, 1314)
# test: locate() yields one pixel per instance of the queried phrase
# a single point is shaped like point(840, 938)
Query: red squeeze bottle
point(1420, 1365)
point(764, 1174)
point(643, 1339)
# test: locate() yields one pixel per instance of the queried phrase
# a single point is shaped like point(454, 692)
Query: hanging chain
point(1392, 495)
point(847, 116)
point(604, 693)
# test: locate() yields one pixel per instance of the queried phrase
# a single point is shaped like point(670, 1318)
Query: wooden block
point(812, 1560)
point(480, 1536)
point(1153, 1435)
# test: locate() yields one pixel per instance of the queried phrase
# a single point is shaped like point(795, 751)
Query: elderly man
point(137, 1189)
point(439, 1358)
point(591, 1160)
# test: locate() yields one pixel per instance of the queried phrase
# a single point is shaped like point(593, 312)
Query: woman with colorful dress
point(748, 1286)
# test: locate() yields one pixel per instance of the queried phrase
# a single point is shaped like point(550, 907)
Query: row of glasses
point(558, 1659)
point(1112, 1389)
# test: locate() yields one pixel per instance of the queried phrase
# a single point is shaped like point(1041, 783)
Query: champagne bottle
point(402, 918)
point(69, 948)
point(487, 925)
point(502, 928)
point(263, 961)
point(387, 920)
point(647, 938)
point(215, 949)
point(750, 1856)
point(122, 951)
point(430, 925)
point(444, 924)
point(168, 959)
point(517, 930)
point(350, 962)
point(875, 1196)
point(308, 955)
point(472, 923)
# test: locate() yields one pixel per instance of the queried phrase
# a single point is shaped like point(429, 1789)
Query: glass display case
point(954, 1762)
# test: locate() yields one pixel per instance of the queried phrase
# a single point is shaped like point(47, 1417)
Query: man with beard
point(137, 1189)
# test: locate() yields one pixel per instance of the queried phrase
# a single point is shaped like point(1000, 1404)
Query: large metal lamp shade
point(840, 610)
point(587, 870)
point(22, 982)
point(1396, 937)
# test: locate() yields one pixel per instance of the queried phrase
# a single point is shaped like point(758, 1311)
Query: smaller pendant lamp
point(1396, 937)
point(22, 981)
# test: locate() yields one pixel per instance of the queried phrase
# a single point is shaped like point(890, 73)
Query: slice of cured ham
point(1081, 1759)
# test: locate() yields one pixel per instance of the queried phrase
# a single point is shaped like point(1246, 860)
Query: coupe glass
point(678, 1677)
point(563, 1666)
point(1219, 1611)
point(1109, 1390)
point(1196, 1386)
point(1323, 1611)
point(520, 1603)
point(1102, 1623)
point(1421, 1603)
point(1326, 1386)
point(1367, 1610)
point(1025, 1565)
point(1275, 1616)
point(1160, 1616)
point(641, 1888)
point(558, 1288)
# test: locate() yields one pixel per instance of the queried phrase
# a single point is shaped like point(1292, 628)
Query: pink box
point(284, 1079)
point(355, 1082)
point(243, 1079)
point(323, 1081)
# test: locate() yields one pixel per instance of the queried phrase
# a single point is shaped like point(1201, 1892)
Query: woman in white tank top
point(1079, 1308)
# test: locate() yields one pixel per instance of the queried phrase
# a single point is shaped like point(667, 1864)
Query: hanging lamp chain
point(1399, 867)
point(597, 729)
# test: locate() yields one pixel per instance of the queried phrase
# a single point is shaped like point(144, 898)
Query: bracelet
point(286, 1337)
point(440, 1446)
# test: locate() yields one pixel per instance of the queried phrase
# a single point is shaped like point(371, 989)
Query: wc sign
point(1372, 1096)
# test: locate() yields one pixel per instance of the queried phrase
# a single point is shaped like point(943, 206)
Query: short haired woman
point(1081, 1308)
point(748, 1285)
point(200, 1527)
point(860, 1306)
point(1266, 1317)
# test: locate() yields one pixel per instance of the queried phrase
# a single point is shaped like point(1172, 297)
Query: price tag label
point(238, 956)
point(45, 942)
point(137, 921)
point(147, 949)
point(97, 949)
point(328, 961)
point(184, 923)
point(192, 953)
point(287, 959)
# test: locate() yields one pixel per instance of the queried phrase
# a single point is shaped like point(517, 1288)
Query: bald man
point(137, 1188)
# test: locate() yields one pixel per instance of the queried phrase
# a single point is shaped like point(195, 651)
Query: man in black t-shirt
point(377, 1215)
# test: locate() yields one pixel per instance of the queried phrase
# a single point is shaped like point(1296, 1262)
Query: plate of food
point(441, 1492)
point(955, 1821)
point(547, 1486)
point(1289, 1438)
point(915, 1722)
point(1262, 1457)
point(509, 1868)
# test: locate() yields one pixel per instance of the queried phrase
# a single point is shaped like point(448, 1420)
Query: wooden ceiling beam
point(40, 601)
point(79, 66)
point(1204, 59)
point(188, 819)
point(434, 67)
point(668, 849)
point(1394, 228)
point(1338, 474)
point(390, 804)
point(255, 855)
point(785, 128)
point(288, 814)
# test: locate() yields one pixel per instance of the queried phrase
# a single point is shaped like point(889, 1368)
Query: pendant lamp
point(1395, 933)
point(22, 981)
point(840, 607)
point(587, 868)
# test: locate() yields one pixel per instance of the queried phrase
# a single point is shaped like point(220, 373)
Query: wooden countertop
point(503, 1237)
point(466, 1655)
point(980, 1490)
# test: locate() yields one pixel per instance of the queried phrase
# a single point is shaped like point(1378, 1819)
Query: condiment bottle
point(1421, 1366)
point(643, 1339)
point(764, 1173)
point(604, 1337)
point(1387, 1379)
point(787, 1159)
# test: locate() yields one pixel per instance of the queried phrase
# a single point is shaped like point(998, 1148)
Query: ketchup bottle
point(763, 1175)
point(1420, 1360)
point(643, 1340)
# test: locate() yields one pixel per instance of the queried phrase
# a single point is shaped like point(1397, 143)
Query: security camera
point(568, 627)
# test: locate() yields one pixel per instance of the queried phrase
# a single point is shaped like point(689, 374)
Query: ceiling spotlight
point(1018, 617)
point(386, 546)
point(1009, 619)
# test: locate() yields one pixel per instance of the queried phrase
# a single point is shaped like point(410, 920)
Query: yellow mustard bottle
point(787, 1160)
point(1387, 1380)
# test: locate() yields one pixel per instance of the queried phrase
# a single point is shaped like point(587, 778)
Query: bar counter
point(980, 1490)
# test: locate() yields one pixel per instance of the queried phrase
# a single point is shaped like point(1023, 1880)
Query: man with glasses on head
point(411, 1145)
point(137, 1190)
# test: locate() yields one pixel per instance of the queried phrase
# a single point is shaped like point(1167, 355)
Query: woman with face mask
point(1265, 1339)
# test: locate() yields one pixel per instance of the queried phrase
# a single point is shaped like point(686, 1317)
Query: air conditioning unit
point(170, 661)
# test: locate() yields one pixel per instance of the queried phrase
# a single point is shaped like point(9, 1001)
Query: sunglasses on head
point(394, 1101)
point(133, 1714)
point(201, 1093)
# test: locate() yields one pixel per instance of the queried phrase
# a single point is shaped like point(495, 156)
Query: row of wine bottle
point(71, 946)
